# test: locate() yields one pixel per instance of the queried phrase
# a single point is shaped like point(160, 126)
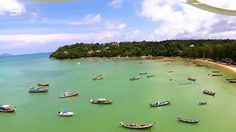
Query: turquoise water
point(38, 112)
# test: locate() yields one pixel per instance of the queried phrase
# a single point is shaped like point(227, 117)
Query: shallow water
point(38, 112)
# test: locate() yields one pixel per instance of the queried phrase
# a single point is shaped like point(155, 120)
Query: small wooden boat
point(135, 78)
point(148, 76)
point(100, 101)
point(143, 73)
point(7, 109)
point(232, 81)
point(98, 77)
point(43, 84)
point(191, 79)
point(209, 92)
point(137, 126)
point(215, 71)
point(202, 103)
point(228, 79)
point(217, 74)
point(38, 90)
point(65, 113)
point(160, 103)
point(69, 94)
point(170, 71)
point(191, 121)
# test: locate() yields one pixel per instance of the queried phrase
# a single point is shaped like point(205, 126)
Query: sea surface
point(38, 112)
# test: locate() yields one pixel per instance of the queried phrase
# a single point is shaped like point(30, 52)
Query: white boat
point(65, 114)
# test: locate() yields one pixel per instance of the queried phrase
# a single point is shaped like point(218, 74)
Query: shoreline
point(218, 64)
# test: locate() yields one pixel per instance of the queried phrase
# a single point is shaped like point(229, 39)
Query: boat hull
point(189, 121)
point(38, 91)
point(67, 114)
point(68, 96)
point(137, 126)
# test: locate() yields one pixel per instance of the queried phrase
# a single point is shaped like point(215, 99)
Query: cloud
point(177, 20)
point(116, 3)
point(11, 7)
point(88, 19)
point(115, 25)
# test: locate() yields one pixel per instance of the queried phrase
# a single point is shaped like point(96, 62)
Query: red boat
point(7, 109)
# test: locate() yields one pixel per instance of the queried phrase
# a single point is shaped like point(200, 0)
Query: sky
point(34, 26)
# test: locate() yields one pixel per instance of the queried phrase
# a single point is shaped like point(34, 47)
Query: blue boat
point(38, 90)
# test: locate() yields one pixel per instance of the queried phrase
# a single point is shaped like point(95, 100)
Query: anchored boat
point(69, 94)
point(191, 121)
point(191, 79)
point(150, 76)
point(160, 103)
point(137, 126)
point(135, 78)
point(209, 92)
point(143, 73)
point(202, 103)
point(65, 113)
point(100, 101)
point(43, 84)
point(7, 109)
point(38, 90)
point(98, 77)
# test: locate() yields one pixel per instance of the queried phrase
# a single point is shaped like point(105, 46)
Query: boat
point(191, 121)
point(65, 113)
point(143, 73)
point(215, 71)
point(137, 126)
point(100, 101)
point(170, 71)
point(43, 84)
point(150, 76)
point(228, 79)
point(135, 78)
point(202, 103)
point(160, 103)
point(191, 79)
point(38, 90)
point(98, 77)
point(217, 74)
point(69, 94)
point(209, 92)
point(232, 81)
point(7, 109)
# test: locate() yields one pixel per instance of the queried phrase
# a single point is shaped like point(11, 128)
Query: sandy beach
point(219, 64)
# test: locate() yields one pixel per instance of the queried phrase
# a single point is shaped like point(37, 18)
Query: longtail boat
point(98, 77)
point(43, 84)
point(135, 78)
point(209, 92)
point(160, 103)
point(137, 126)
point(148, 76)
point(100, 101)
point(191, 79)
point(191, 121)
point(202, 103)
point(69, 94)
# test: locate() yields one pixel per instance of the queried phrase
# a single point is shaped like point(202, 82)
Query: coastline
point(218, 64)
